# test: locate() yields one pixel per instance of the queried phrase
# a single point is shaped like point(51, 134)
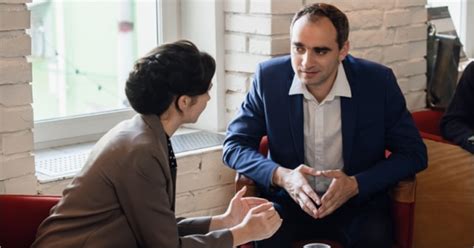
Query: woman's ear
point(184, 102)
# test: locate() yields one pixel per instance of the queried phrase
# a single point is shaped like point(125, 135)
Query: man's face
point(315, 55)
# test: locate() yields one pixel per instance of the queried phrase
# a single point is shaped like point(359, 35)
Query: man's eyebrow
point(298, 44)
point(321, 49)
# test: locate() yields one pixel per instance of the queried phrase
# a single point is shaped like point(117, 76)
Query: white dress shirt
point(322, 127)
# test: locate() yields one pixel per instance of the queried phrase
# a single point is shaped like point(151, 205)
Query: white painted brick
point(15, 70)
point(248, 24)
point(14, 44)
point(204, 199)
point(189, 164)
point(411, 33)
point(403, 84)
point(241, 62)
point(16, 165)
point(15, 94)
point(281, 24)
point(237, 82)
point(258, 24)
point(410, 3)
point(419, 15)
point(395, 53)
point(234, 100)
point(372, 4)
point(371, 38)
point(343, 5)
point(416, 100)
point(410, 68)
point(53, 188)
point(16, 118)
point(16, 142)
point(399, 17)
point(230, 114)
point(374, 54)
point(205, 212)
point(214, 197)
point(413, 83)
point(16, 1)
point(365, 19)
point(20, 185)
point(204, 179)
point(237, 6)
point(213, 161)
point(13, 17)
point(417, 49)
point(235, 42)
point(275, 6)
point(269, 45)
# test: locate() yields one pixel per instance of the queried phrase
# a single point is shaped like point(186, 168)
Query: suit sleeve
point(142, 193)
point(402, 139)
point(243, 138)
point(457, 125)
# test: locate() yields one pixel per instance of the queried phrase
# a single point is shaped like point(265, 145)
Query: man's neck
point(320, 92)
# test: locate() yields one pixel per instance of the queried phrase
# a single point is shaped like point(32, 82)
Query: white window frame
point(199, 21)
point(89, 127)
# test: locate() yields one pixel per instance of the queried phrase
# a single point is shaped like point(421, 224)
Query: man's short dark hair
point(337, 17)
point(166, 73)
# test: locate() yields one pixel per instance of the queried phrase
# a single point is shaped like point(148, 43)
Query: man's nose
point(308, 58)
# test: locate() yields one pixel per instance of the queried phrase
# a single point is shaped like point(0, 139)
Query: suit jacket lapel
point(348, 114)
point(154, 123)
point(295, 115)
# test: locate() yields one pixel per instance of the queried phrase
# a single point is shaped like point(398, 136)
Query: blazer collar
point(349, 110)
point(154, 123)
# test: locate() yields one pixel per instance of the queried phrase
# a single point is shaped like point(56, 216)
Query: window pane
point(82, 52)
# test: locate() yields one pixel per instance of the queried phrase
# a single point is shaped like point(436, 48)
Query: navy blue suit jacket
point(374, 119)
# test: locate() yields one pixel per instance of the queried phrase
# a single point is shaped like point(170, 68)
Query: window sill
point(62, 163)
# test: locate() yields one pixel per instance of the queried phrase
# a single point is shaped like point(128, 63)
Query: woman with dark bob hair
point(125, 194)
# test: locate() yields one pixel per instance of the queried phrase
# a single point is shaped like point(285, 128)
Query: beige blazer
point(124, 197)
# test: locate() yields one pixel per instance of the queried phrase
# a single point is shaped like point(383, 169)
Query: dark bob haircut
point(166, 73)
point(337, 18)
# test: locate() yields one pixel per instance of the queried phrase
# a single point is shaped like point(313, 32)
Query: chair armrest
point(403, 212)
point(241, 181)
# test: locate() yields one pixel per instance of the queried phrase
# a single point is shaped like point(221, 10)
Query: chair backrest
point(20, 217)
point(427, 121)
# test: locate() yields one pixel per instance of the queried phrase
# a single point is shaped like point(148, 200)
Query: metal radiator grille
point(67, 165)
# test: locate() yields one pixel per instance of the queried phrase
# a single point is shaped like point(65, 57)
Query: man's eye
point(321, 52)
point(299, 49)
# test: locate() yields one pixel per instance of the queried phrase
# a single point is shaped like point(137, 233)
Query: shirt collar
point(340, 87)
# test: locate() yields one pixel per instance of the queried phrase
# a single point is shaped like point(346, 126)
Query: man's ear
point(344, 51)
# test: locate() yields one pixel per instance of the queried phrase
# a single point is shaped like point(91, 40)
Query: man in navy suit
point(329, 118)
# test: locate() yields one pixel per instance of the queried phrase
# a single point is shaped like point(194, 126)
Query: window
point(82, 52)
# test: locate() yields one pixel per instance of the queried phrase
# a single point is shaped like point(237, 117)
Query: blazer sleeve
point(243, 138)
point(457, 125)
point(402, 139)
point(142, 192)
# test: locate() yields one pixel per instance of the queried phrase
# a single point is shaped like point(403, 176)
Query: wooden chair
point(403, 208)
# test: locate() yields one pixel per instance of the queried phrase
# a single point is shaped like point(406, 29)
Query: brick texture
point(17, 170)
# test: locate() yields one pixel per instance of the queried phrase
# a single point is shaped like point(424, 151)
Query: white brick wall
point(16, 115)
point(392, 32)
